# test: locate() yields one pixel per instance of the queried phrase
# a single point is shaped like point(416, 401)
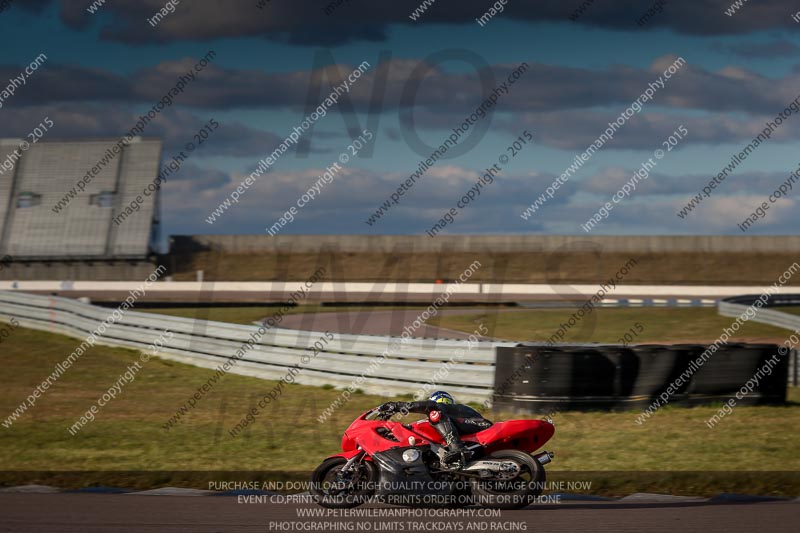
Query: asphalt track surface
point(130, 513)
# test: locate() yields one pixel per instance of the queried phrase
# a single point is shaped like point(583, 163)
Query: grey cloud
point(303, 22)
point(543, 88)
point(175, 127)
point(575, 130)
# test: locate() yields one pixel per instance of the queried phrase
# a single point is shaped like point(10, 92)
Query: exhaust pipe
point(544, 457)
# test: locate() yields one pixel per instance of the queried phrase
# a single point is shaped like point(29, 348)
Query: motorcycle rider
point(448, 418)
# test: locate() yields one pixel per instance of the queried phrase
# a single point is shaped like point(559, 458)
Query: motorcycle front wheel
point(335, 489)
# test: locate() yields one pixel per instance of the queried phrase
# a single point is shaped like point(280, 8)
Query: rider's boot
point(453, 453)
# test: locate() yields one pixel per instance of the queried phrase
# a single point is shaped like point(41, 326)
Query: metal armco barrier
point(736, 305)
point(538, 378)
point(341, 361)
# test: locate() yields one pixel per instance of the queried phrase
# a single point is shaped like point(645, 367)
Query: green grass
point(128, 435)
point(791, 310)
point(658, 325)
point(248, 314)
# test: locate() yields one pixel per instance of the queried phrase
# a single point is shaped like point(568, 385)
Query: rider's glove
point(388, 407)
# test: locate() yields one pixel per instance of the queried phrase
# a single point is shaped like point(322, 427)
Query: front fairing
point(380, 435)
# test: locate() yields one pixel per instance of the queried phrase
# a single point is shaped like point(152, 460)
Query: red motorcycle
point(401, 464)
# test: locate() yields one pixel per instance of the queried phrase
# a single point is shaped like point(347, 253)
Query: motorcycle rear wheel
point(514, 493)
point(329, 490)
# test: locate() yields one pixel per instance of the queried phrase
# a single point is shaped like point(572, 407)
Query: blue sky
point(741, 70)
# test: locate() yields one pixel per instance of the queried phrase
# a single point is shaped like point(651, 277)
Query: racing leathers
point(451, 421)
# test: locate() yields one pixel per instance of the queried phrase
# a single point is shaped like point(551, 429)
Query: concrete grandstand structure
point(59, 200)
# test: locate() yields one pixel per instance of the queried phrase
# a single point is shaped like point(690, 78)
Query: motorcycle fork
point(352, 461)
